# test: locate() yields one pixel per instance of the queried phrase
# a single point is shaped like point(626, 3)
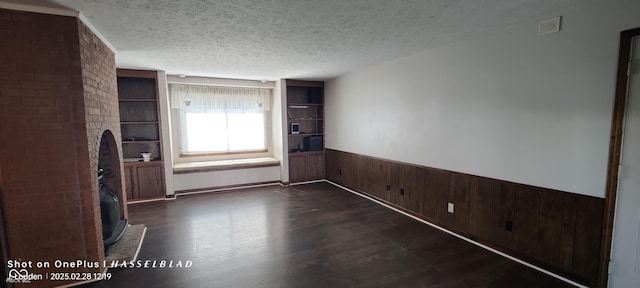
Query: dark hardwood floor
point(314, 235)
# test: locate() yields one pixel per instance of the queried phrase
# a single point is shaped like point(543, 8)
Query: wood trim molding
point(138, 74)
point(615, 149)
point(146, 200)
point(143, 163)
point(301, 83)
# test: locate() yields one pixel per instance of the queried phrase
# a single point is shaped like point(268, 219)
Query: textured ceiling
point(304, 39)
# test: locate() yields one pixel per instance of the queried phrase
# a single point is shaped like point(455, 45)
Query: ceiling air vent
point(549, 26)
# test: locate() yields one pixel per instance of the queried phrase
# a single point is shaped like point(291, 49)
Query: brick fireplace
point(58, 95)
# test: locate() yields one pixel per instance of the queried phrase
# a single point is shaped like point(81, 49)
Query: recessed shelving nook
point(305, 119)
point(141, 133)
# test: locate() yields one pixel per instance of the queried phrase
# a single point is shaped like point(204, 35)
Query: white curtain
point(221, 98)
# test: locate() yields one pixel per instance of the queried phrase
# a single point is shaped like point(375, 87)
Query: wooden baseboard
point(306, 182)
point(147, 200)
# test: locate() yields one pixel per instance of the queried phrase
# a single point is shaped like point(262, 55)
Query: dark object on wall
point(295, 128)
point(113, 225)
point(312, 143)
point(315, 95)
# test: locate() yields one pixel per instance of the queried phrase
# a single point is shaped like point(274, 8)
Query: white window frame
point(181, 116)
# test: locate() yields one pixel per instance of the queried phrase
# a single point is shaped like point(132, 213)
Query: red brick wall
point(101, 113)
point(58, 94)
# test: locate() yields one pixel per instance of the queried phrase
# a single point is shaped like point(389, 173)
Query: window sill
point(221, 165)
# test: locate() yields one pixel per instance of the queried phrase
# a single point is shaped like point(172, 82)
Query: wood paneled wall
point(557, 230)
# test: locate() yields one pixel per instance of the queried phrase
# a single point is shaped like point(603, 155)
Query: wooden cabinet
point(305, 122)
point(144, 180)
point(297, 168)
point(141, 132)
point(128, 181)
point(306, 166)
point(315, 166)
point(149, 181)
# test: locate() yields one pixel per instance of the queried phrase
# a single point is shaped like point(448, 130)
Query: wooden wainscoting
point(556, 230)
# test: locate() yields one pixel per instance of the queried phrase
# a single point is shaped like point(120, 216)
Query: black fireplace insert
point(113, 223)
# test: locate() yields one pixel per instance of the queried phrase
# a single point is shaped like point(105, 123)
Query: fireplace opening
point(110, 189)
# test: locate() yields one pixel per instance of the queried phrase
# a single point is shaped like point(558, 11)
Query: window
point(220, 131)
point(219, 120)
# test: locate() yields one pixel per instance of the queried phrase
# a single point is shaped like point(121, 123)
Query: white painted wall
point(277, 135)
point(165, 120)
point(510, 104)
point(220, 81)
point(225, 178)
point(284, 165)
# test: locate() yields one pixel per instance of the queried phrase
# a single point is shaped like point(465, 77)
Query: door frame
point(615, 149)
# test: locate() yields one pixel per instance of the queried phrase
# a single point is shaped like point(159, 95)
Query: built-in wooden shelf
point(140, 162)
point(142, 141)
point(305, 153)
point(139, 122)
point(305, 107)
point(137, 100)
point(140, 119)
point(303, 104)
point(306, 134)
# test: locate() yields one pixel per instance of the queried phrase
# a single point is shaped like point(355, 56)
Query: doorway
point(620, 257)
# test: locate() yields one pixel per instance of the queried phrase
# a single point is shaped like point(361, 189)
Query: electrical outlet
point(450, 207)
point(549, 26)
